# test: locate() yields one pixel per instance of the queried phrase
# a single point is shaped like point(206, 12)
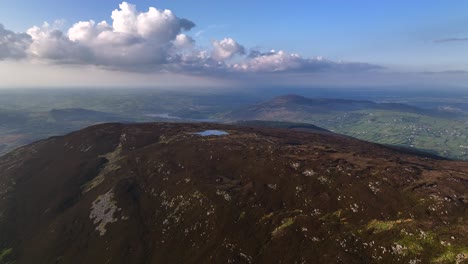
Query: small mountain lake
point(212, 133)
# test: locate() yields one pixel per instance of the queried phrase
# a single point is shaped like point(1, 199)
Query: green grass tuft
point(380, 226)
point(4, 254)
point(285, 223)
point(452, 255)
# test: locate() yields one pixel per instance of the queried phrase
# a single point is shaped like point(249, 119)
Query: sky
point(233, 43)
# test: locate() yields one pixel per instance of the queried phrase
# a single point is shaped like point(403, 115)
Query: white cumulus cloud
point(13, 45)
point(152, 41)
point(183, 41)
point(52, 44)
point(281, 61)
point(133, 40)
point(226, 49)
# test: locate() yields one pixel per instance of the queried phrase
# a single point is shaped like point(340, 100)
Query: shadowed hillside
point(158, 193)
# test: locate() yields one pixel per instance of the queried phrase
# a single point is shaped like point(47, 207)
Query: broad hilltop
point(160, 193)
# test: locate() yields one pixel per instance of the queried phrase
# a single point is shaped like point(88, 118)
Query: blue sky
point(399, 35)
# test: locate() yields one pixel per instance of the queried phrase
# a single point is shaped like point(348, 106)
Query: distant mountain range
point(292, 107)
point(437, 131)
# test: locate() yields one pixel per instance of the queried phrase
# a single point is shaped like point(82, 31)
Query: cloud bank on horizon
point(154, 41)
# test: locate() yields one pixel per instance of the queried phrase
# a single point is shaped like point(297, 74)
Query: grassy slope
point(442, 136)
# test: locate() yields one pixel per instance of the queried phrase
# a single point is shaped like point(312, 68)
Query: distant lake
point(212, 133)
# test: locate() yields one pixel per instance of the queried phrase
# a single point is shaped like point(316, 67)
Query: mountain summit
point(296, 107)
point(209, 193)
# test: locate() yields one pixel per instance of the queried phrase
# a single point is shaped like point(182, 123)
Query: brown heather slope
point(156, 193)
